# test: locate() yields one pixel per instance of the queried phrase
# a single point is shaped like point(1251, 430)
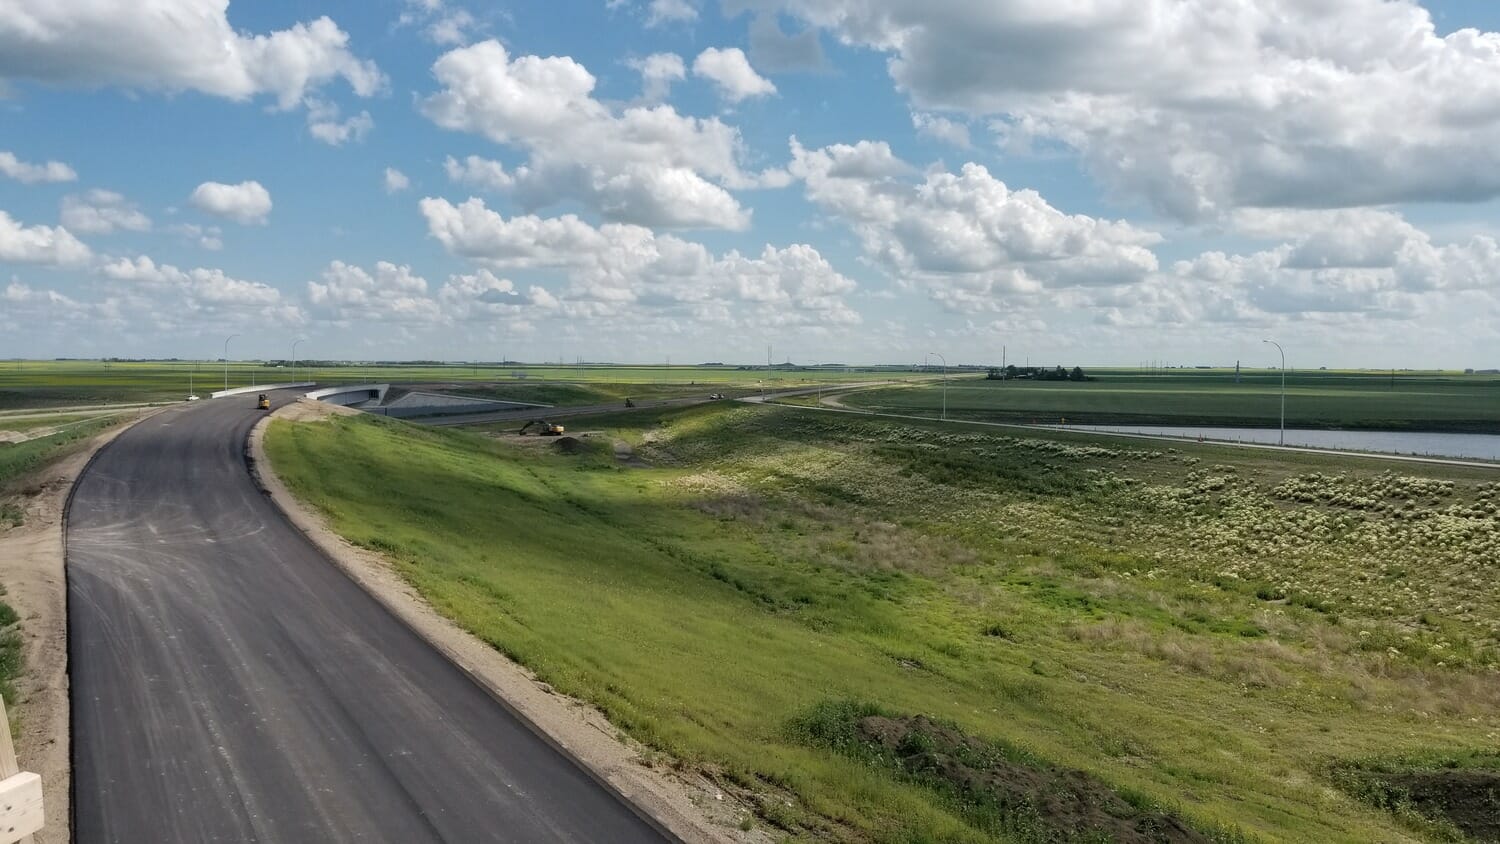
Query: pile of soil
point(572, 445)
point(1468, 799)
point(1070, 804)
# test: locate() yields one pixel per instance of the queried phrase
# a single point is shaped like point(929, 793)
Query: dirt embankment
point(1063, 801)
point(688, 806)
point(31, 568)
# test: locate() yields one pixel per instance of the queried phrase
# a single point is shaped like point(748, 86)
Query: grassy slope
point(1457, 403)
point(1106, 608)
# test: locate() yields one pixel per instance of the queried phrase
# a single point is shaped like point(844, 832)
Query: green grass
point(30, 423)
point(17, 459)
point(1421, 401)
point(11, 663)
point(1200, 628)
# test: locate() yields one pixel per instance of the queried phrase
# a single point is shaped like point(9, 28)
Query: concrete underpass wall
point(352, 394)
point(263, 388)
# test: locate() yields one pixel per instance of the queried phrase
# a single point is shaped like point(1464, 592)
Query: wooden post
point(20, 793)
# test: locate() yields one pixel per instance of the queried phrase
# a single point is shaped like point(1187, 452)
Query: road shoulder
point(32, 559)
point(690, 809)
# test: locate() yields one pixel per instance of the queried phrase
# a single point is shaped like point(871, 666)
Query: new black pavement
point(230, 684)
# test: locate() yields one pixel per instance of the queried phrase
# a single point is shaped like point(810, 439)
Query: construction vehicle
point(545, 428)
point(263, 403)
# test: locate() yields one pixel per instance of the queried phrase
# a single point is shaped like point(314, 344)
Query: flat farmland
point(41, 384)
point(1425, 401)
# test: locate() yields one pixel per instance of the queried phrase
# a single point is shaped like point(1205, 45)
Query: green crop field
point(1408, 401)
point(888, 631)
point(30, 384)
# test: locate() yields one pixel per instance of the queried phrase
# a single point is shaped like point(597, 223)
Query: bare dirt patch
point(1064, 800)
point(1457, 796)
point(1002, 790)
point(312, 410)
point(1470, 800)
point(573, 445)
point(689, 805)
point(627, 456)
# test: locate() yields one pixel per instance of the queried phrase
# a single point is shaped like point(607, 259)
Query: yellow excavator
point(545, 428)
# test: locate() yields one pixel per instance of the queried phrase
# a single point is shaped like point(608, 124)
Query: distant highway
point(230, 684)
point(521, 415)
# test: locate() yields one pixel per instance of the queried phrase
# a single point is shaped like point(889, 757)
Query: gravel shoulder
point(688, 807)
point(31, 567)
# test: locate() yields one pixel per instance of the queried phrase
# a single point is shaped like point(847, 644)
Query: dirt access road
point(230, 684)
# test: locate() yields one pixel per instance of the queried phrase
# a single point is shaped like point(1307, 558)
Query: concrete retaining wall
point(263, 388)
point(351, 393)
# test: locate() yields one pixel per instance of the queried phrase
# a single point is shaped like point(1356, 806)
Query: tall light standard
point(226, 360)
point(945, 383)
point(294, 357)
point(1282, 439)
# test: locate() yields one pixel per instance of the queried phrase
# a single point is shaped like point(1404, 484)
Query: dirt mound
point(1468, 799)
point(573, 445)
point(1046, 801)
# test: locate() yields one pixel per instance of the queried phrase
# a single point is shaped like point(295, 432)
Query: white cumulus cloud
point(326, 123)
point(660, 12)
point(246, 203)
point(967, 237)
point(174, 45)
point(52, 245)
point(395, 180)
point(201, 288)
point(941, 129)
point(1204, 106)
point(30, 174)
point(617, 268)
point(645, 165)
point(732, 74)
point(658, 71)
point(102, 212)
point(390, 293)
point(479, 173)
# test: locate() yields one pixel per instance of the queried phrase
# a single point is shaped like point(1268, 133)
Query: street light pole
point(1282, 438)
point(294, 357)
point(226, 360)
point(945, 383)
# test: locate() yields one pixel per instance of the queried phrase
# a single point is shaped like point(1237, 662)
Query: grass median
point(882, 631)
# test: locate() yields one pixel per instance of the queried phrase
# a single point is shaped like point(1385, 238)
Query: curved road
point(230, 684)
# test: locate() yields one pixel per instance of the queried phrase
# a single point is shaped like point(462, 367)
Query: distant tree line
point(1037, 373)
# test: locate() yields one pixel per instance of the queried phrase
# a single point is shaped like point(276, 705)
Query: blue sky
point(967, 175)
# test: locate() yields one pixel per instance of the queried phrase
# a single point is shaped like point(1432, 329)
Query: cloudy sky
point(1094, 181)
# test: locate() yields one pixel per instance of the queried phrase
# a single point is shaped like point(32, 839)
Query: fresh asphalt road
point(230, 684)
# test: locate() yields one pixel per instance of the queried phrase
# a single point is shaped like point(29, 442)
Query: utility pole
point(294, 357)
point(1282, 439)
point(226, 360)
point(945, 384)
